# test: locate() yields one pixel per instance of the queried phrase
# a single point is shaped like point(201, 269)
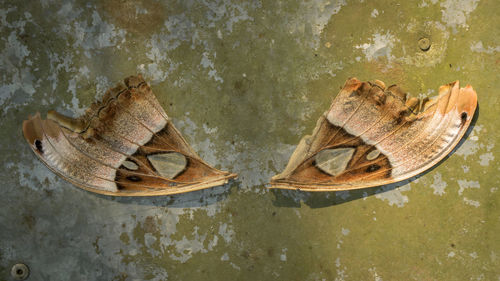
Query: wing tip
point(468, 100)
point(30, 131)
point(134, 81)
point(447, 88)
point(352, 84)
point(451, 97)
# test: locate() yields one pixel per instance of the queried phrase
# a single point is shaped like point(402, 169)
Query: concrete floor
point(244, 81)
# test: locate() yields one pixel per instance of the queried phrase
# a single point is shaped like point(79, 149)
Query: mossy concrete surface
point(244, 81)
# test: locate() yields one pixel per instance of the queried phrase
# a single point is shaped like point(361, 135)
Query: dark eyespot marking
point(38, 145)
point(134, 178)
point(372, 168)
point(463, 116)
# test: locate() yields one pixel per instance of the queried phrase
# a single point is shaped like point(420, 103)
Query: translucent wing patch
point(124, 145)
point(373, 135)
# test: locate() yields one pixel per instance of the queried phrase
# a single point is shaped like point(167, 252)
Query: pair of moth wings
point(126, 145)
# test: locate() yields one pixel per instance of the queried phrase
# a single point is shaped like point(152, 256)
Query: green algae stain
point(125, 238)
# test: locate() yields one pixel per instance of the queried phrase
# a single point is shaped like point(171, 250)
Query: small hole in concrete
point(424, 44)
point(20, 271)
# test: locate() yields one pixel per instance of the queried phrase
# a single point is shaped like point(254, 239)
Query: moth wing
point(124, 145)
point(373, 135)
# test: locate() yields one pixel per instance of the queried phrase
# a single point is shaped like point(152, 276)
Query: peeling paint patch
point(213, 243)
point(246, 161)
point(207, 63)
point(471, 202)
point(34, 175)
point(159, 274)
point(283, 254)
point(102, 85)
point(341, 274)
point(232, 12)
point(177, 30)
point(425, 4)
point(312, 17)
point(75, 103)
point(234, 266)
point(185, 248)
point(236, 13)
point(393, 196)
point(149, 240)
point(17, 80)
point(206, 147)
point(323, 12)
point(226, 232)
point(96, 35)
point(455, 12)
point(376, 277)
point(380, 45)
point(439, 184)
point(207, 151)
point(465, 184)
point(465, 168)
point(478, 47)
point(471, 145)
point(345, 231)
point(486, 158)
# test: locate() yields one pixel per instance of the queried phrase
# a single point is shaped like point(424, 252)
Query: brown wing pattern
point(373, 135)
point(124, 145)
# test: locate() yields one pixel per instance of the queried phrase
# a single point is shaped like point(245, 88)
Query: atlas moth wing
point(124, 145)
point(373, 135)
